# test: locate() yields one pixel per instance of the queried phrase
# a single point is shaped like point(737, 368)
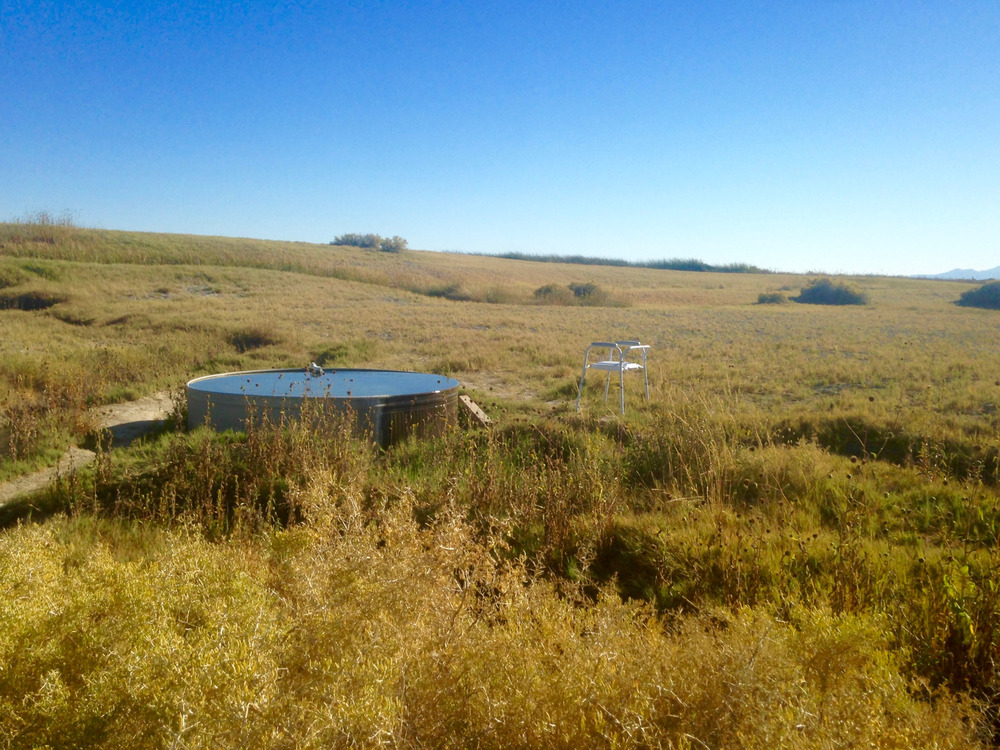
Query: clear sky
point(855, 136)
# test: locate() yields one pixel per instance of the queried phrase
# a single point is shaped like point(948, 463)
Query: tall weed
point(367, 629)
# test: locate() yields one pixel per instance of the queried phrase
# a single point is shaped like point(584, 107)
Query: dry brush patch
point(366, 628)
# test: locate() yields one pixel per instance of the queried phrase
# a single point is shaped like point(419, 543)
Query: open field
point(795, 543)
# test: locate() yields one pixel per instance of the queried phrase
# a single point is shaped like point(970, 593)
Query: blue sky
point(828, 135)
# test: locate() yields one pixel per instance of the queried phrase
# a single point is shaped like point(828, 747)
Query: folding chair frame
point(617, 361)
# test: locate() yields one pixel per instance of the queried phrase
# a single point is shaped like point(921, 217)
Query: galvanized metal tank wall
point(386, 405)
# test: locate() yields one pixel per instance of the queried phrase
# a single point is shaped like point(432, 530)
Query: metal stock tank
point(388, 405)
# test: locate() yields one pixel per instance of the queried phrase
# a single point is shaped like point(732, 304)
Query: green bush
point(358, 240)
point(825, 292)
point(987, 297)
point(394, 244)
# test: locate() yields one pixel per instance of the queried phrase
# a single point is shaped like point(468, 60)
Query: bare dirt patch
point(125, 422)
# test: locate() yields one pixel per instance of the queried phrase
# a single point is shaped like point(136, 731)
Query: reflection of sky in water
point(334, 383)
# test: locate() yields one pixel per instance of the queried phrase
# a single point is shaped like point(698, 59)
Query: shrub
point(771, 298)
point(454, 292)
point(358, 240)
point(553, 294)
point(396, 244)
point(588, 294)
point(987, 297)
point(825, 292)
point(584, 290)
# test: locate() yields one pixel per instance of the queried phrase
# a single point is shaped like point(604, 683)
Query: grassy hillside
point(794, 543)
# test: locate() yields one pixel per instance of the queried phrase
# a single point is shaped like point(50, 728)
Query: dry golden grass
point(794, 543)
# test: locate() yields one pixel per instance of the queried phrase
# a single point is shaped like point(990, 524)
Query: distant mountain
point(967, 273)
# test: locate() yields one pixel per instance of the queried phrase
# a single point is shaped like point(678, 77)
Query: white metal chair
point(617, 360)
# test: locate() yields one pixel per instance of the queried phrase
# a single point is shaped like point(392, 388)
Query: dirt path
point(125, 422)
